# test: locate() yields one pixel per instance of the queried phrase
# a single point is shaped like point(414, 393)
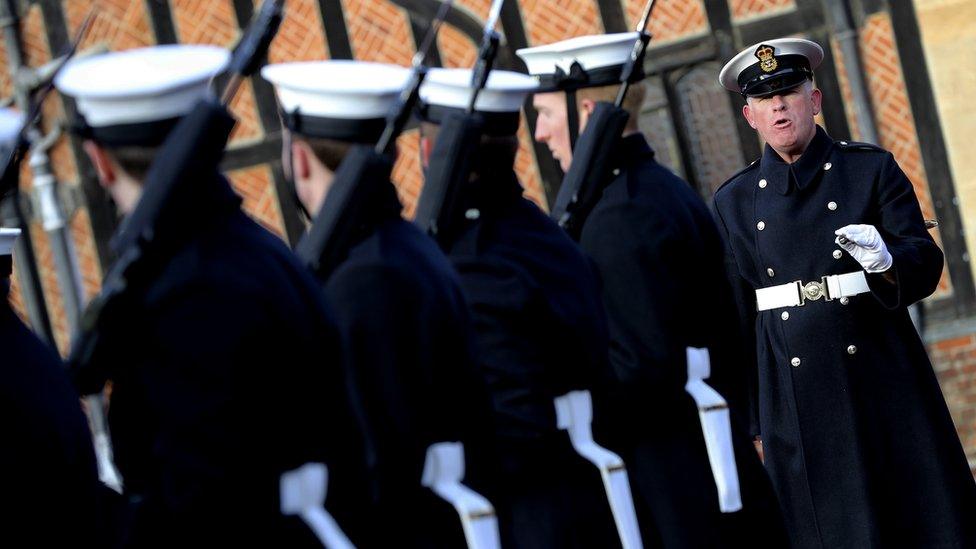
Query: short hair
point(633, 101)
point(331, 152)
point(134, 160)
point(495, 145)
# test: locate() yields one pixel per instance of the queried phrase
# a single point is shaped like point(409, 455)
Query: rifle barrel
point(494, 14)
point(421, 56)
point(401, 112)
point(640, 45)
point(646, 17)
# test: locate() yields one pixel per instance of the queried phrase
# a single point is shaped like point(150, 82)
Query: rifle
point(596, 149)
point(364, 175)
point(457, 142)
point(194, 146)
point(38, 83)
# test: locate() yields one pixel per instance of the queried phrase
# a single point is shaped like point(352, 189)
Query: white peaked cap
point(337, 89)
point(590, 52)
point(141, 85)
point(505, 91)
point(10, 123)
point(744, 71)
point(7, 239)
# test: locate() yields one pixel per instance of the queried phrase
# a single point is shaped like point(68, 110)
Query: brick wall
point(954, 359)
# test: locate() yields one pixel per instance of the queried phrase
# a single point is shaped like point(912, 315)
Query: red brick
point(749, 9)
point(966, 341)
point(255, 185)
point(671, 20)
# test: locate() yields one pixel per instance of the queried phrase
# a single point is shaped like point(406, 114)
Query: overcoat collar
point(782, 176)
point(635, 149)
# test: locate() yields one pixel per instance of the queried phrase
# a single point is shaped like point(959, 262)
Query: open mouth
point(782, 123)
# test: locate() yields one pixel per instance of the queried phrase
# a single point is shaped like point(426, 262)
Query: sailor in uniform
point(697, 481)
point(539, 324)
point(223, 359)
point(401, 312)
point(826, 248)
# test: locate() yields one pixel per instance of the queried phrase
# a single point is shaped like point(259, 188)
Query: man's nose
point(541, 133)
point(778, 103)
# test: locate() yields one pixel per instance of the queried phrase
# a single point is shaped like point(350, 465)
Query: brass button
point(616, 171)
point(762, 183)
point(851, 349)
point(785, 315)
point(472, 214)
point(827, 166)
point(838, 254)
point(795, 362)
point(770, 272)
point(831, 205)
point(761, 225)
point(845, 300)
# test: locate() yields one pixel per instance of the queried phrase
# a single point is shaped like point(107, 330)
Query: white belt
point(796, 293)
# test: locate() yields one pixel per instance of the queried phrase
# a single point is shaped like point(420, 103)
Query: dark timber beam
point(720, 21)
point(928, 127)
point(161, 20)
point(516, 38)
point(267, 107)
point(336, 34)
point(612, 14)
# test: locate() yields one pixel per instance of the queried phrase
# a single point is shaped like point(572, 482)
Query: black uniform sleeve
point(917, 260)
point(744, 298)
point(639, 290)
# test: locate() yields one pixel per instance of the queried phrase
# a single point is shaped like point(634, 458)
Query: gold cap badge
point(767, 62)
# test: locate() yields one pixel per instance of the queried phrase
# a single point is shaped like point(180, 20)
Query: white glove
point(864, 243)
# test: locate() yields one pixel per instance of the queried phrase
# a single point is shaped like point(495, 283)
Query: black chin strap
point(572, 118)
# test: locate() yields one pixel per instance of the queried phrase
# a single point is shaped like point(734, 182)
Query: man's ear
point(103, 164)
point(300, 156)
point(747, 113)
point(587, 105)
point(817, 97)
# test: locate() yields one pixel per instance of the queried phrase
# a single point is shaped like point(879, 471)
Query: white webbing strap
point(791, 294)
point(303, 493)
point(847, 284)
point(782, 295)
point(574, 413)
point(443, 471)
point(716, 428)
point(107, 473)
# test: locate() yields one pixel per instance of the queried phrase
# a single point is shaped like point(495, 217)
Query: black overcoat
point(858, 440)
point(407, 338)
point(659, 257)
point(51, 489)
point(540, 333)
point(225, 372)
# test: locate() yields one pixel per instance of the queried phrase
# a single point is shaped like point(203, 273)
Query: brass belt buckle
point(813, 291)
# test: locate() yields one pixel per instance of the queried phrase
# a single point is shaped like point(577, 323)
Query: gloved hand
point(864, 243)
